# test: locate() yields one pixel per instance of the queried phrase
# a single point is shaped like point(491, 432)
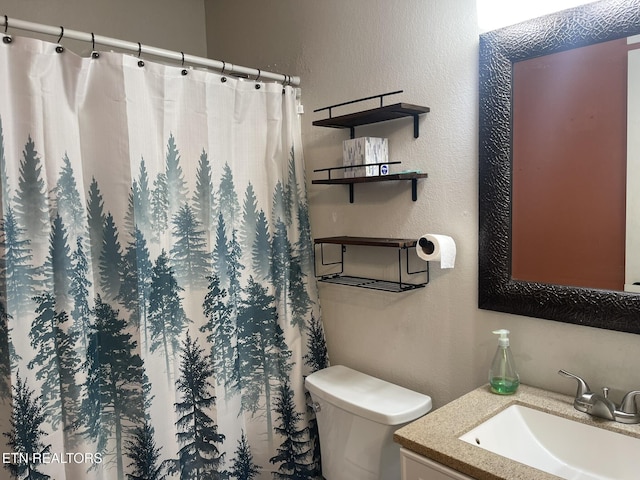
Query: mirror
point(499, 51)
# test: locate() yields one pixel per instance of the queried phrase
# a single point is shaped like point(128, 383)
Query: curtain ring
point(184, 70)
point(94, 54)
point(60, 48)
point(257, 79)
point(6, 38)
point(224, 66)
point(140, 62)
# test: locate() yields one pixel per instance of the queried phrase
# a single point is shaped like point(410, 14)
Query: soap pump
point(503, 376)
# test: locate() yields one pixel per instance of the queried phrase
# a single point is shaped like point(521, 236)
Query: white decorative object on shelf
point(365, 151)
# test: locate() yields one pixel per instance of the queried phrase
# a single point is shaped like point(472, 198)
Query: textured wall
point(171, 24)
point(434, 340)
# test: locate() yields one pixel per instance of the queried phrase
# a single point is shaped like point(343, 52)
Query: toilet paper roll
point(433, 247)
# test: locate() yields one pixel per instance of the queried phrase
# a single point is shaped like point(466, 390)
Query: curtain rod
point(140, 49)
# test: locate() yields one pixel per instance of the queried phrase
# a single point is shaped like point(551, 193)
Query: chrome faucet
point(600, 406)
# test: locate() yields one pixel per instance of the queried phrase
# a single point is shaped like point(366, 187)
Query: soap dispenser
point(503, 377)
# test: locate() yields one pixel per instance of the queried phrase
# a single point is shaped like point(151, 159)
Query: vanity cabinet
point(417, 467)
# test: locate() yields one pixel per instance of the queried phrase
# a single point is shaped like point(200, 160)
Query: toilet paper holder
point(427, 245)
point(437, 248)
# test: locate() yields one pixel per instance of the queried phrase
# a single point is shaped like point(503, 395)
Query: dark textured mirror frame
point(499, 49)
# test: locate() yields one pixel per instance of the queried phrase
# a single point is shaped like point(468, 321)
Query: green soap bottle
point(503, 377)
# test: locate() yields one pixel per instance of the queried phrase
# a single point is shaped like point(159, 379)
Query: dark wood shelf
point(413, 177)
point(376, 115)
point(377, 178)
point(369, 241)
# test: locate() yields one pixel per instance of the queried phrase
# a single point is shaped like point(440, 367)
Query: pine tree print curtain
point(157, 303)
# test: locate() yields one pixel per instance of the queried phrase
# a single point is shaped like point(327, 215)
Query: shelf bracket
point(416, 126)
point(351, 193)
point(414, 189)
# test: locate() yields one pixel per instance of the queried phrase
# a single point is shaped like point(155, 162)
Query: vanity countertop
point(435, 435)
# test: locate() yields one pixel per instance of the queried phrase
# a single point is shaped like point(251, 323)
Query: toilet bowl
point(357, 415)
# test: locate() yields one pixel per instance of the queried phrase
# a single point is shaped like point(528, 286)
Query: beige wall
point(434, 340)
point(172, 24)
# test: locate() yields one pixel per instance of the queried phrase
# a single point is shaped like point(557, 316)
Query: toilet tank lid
point(367, 396)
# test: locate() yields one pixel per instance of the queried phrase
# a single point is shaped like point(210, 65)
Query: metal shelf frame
point(339, 277)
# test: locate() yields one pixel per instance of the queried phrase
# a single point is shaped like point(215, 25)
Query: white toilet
point(357, 415)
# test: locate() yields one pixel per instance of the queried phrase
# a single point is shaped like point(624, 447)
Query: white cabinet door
point(417, 467)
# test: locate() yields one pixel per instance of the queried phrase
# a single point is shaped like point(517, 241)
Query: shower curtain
point(158, 306)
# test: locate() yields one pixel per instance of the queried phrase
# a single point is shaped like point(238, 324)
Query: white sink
point(559, 446)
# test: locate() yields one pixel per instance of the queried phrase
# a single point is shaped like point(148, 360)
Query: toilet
point(357, 415)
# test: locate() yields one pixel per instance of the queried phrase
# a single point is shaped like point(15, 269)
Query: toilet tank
point(357, 415)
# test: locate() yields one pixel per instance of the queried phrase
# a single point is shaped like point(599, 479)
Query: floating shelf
point(368, 241)
point(409, 176)
point(376, 284)
point(376, 115)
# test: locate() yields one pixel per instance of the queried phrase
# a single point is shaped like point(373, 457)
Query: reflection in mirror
point(500, 287)
point(632, 264)
point(569, 166)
